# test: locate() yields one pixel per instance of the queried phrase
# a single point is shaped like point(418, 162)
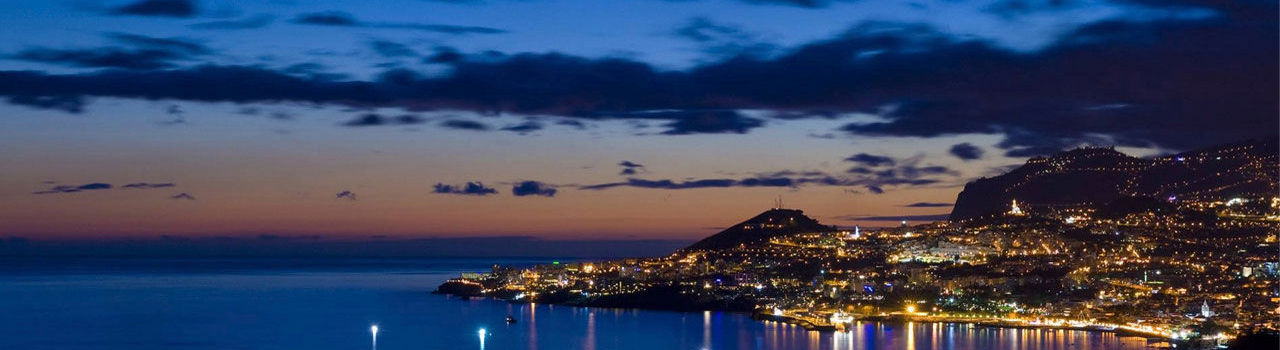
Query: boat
point(511, 319)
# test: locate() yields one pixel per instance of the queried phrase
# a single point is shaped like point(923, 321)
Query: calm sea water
point(330, 304)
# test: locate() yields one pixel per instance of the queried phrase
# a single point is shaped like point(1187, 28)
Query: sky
point(629, 121)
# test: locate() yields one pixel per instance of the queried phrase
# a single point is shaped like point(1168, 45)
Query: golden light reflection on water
point(533, 326)
point(720, 331)
point(911, 336)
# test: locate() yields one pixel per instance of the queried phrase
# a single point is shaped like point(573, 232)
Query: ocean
point(242, 303)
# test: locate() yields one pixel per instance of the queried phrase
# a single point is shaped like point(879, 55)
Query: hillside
point(1097, 176)
point(771, 223)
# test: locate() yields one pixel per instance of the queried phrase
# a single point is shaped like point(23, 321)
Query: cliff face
point(1096, 176)
point(774, 222)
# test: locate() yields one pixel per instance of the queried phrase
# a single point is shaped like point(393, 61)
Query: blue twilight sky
point(559, 119)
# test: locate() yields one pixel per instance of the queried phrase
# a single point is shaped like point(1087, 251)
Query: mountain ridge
point(1096, 176)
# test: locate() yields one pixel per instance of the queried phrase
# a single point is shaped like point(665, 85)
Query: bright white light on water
point(482, 332)
point(373, 329)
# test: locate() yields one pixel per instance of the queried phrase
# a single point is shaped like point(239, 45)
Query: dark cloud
point(870, 160)
point(928, 217)
point(474, 188)
point(908, 174)
point(1136, 82)
point(72, 189)
point(966, 151)
point(253, 22)
point(875, 172)
point(525, 127)
point(664, 184)
point(331, 18)
point(183, 196)
point(708, 122)
point(808, 4)
point(145, 185)
point(1175, 83)
point(911, 171)
point(160, 8)
point(374, 119)
point(572, 123)
point(343, 19)
point(173, 110)
point(444, 55)
point(785, 173)
point(137, 52)
point(391, 49)
point(701, 183)
point(69, 104)
point(796, 3)
point(533, 188)
point(347, 195)
point(928, 205)
point(861, 170)
point(686, 122)
point(99, 58)
point(630, 168)
point(463, 124)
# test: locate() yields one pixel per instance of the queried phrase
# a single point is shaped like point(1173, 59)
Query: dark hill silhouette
point(771, 223)
point(1098, 176)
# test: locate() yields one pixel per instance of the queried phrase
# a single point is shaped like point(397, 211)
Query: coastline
point(802, 322)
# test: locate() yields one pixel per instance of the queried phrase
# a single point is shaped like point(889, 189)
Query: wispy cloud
point(474, 188)
point(928, 205)
point(343, 19)
point(252, 22)
point(158, 8)
point(73, 189)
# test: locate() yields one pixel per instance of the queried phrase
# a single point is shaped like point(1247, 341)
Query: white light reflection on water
point(706, 330)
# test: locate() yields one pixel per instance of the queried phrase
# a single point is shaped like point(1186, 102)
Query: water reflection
point(911, 336)
point(590, 343)
point(322, 309)
point(706, 330)
point(532, 320)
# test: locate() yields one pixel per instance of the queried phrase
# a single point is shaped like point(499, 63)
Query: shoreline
point(980, 322)
point(883, 319)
